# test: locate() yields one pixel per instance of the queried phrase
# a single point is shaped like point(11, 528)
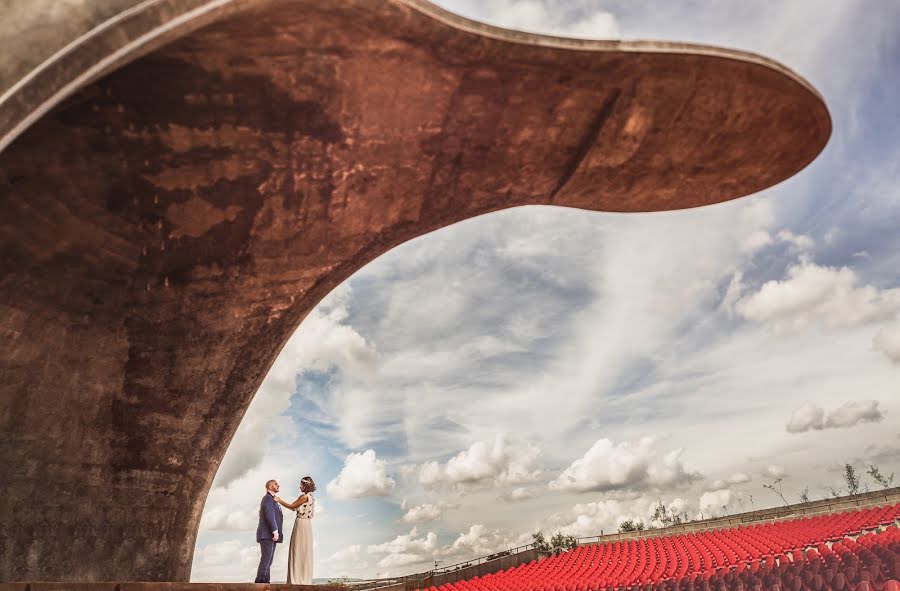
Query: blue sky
point(560, 369)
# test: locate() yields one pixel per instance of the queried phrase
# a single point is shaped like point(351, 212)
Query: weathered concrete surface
point(165, 229)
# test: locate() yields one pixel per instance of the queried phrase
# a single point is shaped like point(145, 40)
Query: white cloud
point(571, 19)
point(733, 293)
point(755, 241)
point(349, 554)
point(409, 543)
point(852, 413)
point(422, 513)
point(809, 417)
point(392, 560)
point(887, 341)
point(481, 540)
point(589, 519)
point(812, 292)
point(800, 242)
point(363, 475)
point(517, 494)
point(714, 500)
point(806, 417)
point(736, 478)
point(599, 25)
point(230, 518)
point(499, 461)
point(774, 470)
point(622, 466)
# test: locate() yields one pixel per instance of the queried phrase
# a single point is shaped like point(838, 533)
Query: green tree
point(851, 479)
point(662, 516)
point(539, 542)
point(881, 480)
point(630, 525)
point(775, 487)
point(560, 543)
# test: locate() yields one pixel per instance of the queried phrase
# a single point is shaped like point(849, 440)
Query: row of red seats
point(871, 563)
point(648, 561)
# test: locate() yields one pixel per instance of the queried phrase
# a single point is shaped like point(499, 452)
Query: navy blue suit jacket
point(269, 519)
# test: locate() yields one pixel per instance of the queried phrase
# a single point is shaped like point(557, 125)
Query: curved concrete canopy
point(165, 228)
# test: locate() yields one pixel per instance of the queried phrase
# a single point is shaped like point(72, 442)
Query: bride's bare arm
point(300, 500)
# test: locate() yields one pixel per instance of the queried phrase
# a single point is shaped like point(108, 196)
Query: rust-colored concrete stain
point(165, 228)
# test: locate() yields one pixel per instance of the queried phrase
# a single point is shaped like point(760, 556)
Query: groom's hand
point(275, 536)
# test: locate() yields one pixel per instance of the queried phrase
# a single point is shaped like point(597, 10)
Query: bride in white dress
point(300, 553)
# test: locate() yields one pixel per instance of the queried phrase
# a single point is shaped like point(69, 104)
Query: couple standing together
point(268, 533)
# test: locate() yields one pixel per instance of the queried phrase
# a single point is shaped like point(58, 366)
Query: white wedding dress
point(300, 552)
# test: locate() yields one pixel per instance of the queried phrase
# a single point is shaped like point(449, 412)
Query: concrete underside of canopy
point(166, 228)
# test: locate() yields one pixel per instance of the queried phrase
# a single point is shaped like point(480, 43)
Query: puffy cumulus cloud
point(810, 417)
point(322, 341)
point(422, 513)
point(480, 540)
point(805, 417)
point(715, 500)
point(812, 292)
point(852, 413)
point(887, 341)
point(363, 475)
point(499, 462)
point(736, 478)
point(623, 466)
point(406, 544)
point(589, 519)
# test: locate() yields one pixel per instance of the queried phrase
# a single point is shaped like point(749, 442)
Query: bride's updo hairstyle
point(307, 485)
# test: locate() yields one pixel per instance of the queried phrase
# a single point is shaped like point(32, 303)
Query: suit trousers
point(267, 553)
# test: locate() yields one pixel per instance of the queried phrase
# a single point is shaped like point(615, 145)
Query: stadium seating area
point(807, 554)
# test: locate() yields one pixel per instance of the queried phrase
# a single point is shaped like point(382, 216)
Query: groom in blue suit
point(268, 532)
